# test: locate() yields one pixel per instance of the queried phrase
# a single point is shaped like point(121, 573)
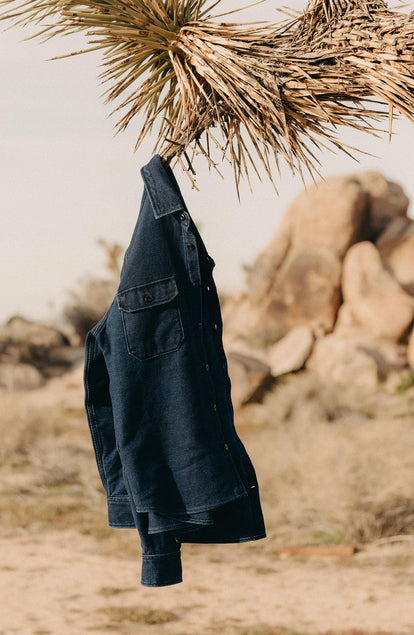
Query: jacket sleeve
point(101, 424)
point(161, 557)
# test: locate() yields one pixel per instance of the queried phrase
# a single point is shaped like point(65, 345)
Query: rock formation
point(31, 352)
point(334, 290)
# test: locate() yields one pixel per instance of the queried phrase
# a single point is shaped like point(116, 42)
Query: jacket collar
point(162, 188)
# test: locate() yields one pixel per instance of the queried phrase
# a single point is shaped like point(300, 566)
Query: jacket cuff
point(161, 569)
point(120, 513)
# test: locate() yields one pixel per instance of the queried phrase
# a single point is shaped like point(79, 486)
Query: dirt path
point(62, 582)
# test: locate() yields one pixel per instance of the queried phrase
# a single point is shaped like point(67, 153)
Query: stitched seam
point(148, 284)
point(148, 357)
point(161, 555)
point(192, 510)
point(118, 499)
point(159, 210)
point(164, 582)
point(99, 325)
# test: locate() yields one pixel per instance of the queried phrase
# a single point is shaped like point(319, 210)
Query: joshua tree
point(260, 92)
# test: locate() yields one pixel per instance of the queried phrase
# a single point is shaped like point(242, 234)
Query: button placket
point(203, 284)
point(191, 255)
point(184, 219)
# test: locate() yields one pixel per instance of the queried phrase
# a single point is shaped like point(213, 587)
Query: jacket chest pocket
point(151, 318)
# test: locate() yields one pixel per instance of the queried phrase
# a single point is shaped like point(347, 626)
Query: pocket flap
point(148, 295)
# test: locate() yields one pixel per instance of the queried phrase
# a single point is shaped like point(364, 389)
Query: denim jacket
point(157, 394)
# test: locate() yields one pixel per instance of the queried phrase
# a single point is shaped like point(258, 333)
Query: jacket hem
point(159, 584)
point(120, 512)
point(194, 510)
point(224, 541)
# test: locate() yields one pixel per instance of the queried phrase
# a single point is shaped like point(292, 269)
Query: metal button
point(226, 447)
point(147, 299)
point(190, 246)
point(215, 327)
point(200, 326)
point(182, 217)
point(215, 407)
point(207, 367)
point(208, 288)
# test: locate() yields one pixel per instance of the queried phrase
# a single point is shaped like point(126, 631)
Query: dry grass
point(273, 91)
point(48, 475)
point(332, 468)
point(21, 427)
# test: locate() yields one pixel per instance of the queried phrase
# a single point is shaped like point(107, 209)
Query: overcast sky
point(67, 181)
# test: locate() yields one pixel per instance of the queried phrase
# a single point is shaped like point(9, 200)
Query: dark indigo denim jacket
point(158, 394)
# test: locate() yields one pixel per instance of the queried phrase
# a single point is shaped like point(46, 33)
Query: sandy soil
point(56, 579)
point(60, 582)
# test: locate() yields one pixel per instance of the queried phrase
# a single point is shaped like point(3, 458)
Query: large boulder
point(386, 200)
point(249, 376)
point(396, 246)
point(343, 361)
point(28, 342)
point(243, 325)
point(346, 324)
point(330, 215)
point(356, 357)
point(322, 255)
point(374, 296)
point(306, 291)
point(20, 330)
point(291, 352)
point(265, 269)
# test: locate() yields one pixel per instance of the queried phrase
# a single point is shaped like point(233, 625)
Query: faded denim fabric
point(157, 394)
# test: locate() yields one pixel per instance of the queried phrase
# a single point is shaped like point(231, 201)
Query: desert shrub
point(382, 518)
point(332, 460)
point(87, 304)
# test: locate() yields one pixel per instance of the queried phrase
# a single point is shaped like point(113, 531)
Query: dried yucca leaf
point(270, 91)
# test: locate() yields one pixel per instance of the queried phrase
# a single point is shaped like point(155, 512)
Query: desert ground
point(335, 465)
